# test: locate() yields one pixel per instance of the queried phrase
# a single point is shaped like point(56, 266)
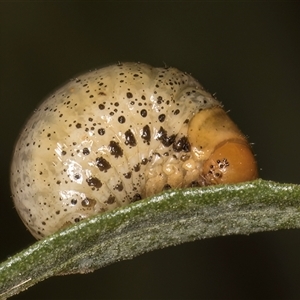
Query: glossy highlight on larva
point(117, 135)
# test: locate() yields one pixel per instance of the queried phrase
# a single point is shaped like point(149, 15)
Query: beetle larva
point(119, 134)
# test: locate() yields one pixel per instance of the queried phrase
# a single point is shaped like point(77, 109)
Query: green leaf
point(170, 218)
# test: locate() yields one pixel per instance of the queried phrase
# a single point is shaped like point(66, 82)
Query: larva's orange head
point(231, 162)
point(224, 151)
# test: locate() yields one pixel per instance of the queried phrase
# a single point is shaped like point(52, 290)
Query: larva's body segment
point(111, 137)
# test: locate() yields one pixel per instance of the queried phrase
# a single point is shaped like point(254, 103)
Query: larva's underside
point(114, 136)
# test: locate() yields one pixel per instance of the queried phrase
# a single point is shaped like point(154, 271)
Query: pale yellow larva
point(116, 135)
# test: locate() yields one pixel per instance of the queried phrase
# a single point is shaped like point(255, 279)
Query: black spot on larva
point(77, 176)
point(63, 152)
point(137, 168)
point(159, 99)
point(161, 117)
point(167, 187)
point(85, 151)
point(143, 97)
point(129, 95)
point(194, 184)
point(101, 131)
point(94, 181)
point(164, 138)
point(88, 202)
point(76, 220)
point(73, 201)
point(176, 112)
point(146, 134)
point(182, 145)
point(144, 161)
point(58, 182)
point(119, 187)
point(110, 200)
point(78, 125)
point(115, 149)
point(184, 157)
point(157, 154)
point(121, 119)
point(186, 121)
point(130, 138)
point(101, 106)
point(144, 113)
point(102, 164)
point(127, 175)
point(136, 197)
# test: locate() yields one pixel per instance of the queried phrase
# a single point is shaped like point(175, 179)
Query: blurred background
point(246, 53)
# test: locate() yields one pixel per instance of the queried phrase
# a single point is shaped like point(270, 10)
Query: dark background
point(248, 53)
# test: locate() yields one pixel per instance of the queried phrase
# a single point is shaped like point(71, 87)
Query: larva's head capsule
point(221, 147)
point(231, 162)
